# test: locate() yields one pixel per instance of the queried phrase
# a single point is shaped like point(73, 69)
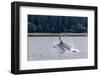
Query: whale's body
point(64, 46)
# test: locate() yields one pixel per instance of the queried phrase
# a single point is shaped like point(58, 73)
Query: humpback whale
point(64, 46)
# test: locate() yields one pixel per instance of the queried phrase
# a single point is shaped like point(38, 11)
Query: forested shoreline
point(57, 24)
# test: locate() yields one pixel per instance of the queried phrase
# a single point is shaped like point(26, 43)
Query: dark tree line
point(57, 24)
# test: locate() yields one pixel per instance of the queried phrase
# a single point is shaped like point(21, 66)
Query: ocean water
point(41, 48)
